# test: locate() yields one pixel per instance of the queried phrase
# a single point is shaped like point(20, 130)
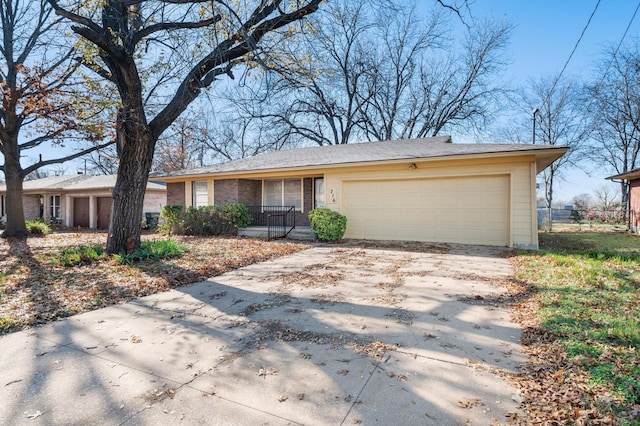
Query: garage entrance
point(104, 212)
point(81, 212)
point(467, 210)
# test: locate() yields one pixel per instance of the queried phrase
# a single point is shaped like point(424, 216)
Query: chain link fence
point(549, 218)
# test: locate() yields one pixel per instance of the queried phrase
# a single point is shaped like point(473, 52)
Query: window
point(200, 192)
point(54, 203)
point(283, 192)
point(2, 206)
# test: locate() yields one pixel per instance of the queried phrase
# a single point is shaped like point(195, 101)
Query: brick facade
point(31, 206)
point(244, 191)
point(175, 193)
point(250, 192)
point(225, 191)
point(634, 201)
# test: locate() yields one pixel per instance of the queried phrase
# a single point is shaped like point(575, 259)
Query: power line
point(584, 30)
point(615, 52)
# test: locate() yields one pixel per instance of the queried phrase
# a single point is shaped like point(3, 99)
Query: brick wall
point(175, 193)
point(250, 192)
point(154, 201)
point(31, 206)
point(634, 197)
point(225, 191)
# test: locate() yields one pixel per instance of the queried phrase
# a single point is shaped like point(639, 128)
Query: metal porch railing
point(279, 220)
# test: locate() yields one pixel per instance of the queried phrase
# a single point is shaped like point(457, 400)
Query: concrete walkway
point(328, 336)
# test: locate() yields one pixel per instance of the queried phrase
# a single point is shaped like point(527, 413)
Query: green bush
point(215, 220)
point(237, 214)
point(80, 255)
point(38, 227)
point(152, 250)
point(327, 224)
point(171, 216)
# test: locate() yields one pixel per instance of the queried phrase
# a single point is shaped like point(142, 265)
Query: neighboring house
point(632, 179)
point(421, 190)
point(80, 200)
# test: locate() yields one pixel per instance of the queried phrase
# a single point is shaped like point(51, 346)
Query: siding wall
point(522, 226)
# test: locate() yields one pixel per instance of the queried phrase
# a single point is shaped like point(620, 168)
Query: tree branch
point(41, 163)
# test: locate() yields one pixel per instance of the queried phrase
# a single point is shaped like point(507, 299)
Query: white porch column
point(46, 208)
point(68, 205)
point(92, 212)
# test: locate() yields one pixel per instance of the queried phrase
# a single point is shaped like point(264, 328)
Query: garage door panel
point(471, 209)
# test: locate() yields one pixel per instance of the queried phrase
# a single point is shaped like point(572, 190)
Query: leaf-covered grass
point(152, 250)
point(80, 255)
point(586, 294)
point(44, 279)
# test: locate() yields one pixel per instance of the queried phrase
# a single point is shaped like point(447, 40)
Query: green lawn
point(586, 293)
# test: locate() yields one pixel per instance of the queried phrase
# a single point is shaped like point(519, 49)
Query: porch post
point(68, 205)
point(46, 208)
point(92, 212)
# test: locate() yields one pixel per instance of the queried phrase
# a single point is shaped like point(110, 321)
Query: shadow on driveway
point(328, 336)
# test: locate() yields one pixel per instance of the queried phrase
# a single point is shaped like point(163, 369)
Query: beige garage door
point(471, 210)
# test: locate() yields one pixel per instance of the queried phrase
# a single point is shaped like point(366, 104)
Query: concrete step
point(302, 233)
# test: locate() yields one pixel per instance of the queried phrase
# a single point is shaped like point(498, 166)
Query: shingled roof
point(631, 174)
point(74, 183)
point(385, 151)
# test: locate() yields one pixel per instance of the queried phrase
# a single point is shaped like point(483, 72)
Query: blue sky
point(545, 33)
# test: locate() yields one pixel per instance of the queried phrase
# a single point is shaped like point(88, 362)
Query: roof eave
point(633, 174)
point(544, 158)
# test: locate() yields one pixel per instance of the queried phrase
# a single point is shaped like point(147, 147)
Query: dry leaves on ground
point(33, 290)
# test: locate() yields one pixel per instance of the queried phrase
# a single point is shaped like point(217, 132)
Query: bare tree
point(178, 147)
point(419, 90)
point(607, 198)
point(160, 54)
point(324, 87)
point(560, 121)
point(103, 161)
point(39, 103)
point(374, 70)
point(614, 108)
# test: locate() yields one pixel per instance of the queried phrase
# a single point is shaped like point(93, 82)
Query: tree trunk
point(15, 226)
point(136, 155)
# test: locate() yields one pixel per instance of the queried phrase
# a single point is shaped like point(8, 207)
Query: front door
point(104, 212)
point(81, 212)
point(318, 193)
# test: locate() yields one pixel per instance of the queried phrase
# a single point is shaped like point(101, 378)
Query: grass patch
point(587, 294)
point(81, 255)
point(152, 250)
point(38, 228)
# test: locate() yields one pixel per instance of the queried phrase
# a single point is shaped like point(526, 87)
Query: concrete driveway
point(336, 335)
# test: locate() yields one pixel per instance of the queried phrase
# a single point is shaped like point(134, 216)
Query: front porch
point(277, 222)
point(300, 233)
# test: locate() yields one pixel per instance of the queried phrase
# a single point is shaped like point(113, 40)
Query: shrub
point(327, 224)
point(151, 250)
point(215, 220)
point(171, 216)
point(236, 214)
point(38, 227)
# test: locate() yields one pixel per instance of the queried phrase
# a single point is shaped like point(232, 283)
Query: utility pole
point(533, 128)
